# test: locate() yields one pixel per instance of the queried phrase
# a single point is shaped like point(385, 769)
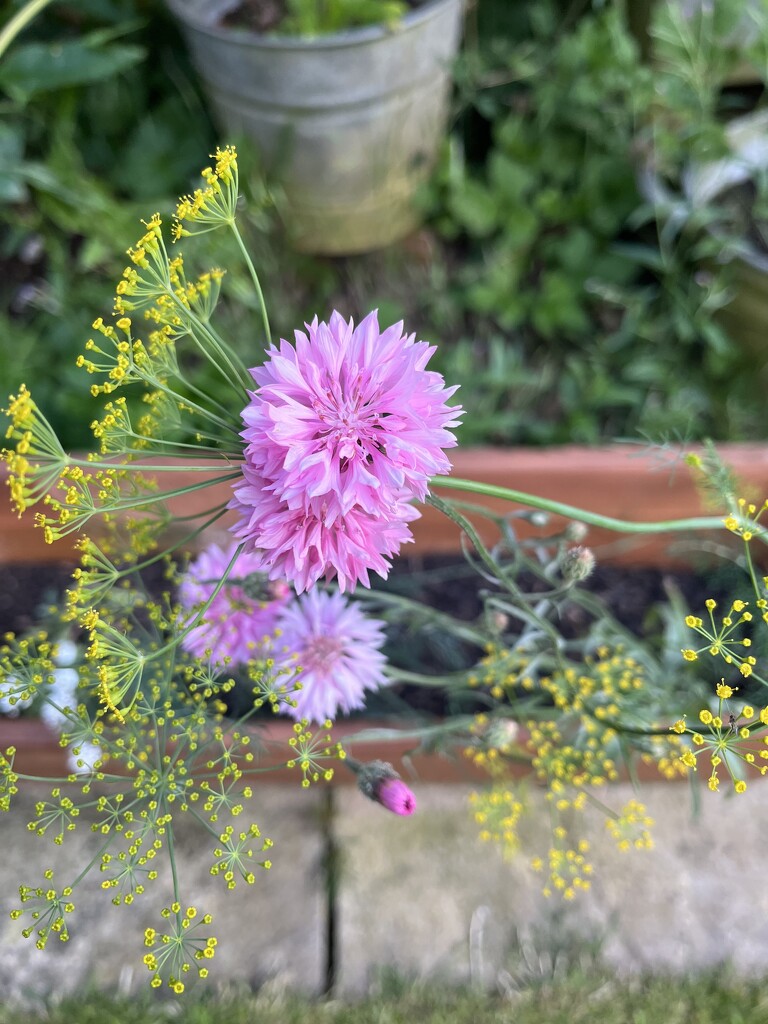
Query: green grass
point(708, 999)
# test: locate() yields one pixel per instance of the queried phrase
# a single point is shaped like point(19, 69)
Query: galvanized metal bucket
point(349, 124)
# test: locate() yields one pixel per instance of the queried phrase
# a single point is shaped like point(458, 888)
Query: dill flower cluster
point(572, 741)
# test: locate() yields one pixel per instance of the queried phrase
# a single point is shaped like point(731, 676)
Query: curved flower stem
point(407, 606)
point(187, 628)
point(19, 22)
point(581, 515)
point(256, 283)
point(530, 615)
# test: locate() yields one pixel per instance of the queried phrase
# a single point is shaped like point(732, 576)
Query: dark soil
point(447, 584)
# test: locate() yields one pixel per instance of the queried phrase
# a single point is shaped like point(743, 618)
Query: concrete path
point(419, 896)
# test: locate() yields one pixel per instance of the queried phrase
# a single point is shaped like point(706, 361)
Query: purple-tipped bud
point(396, 797)
point(379, 781)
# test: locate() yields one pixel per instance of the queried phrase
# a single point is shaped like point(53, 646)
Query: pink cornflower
point(337, 648)
point(343, 432)
point(242, 614)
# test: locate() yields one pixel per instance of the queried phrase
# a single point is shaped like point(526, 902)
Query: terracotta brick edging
point(623, 481)
point(39, 754)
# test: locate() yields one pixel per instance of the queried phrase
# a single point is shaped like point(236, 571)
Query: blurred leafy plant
point(100, 112)
point(315, 17)
point(564, 254)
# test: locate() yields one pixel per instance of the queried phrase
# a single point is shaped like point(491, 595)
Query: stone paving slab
point(423, 897)
point(271, 932)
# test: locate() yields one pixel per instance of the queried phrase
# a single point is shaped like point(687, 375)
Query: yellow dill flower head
point(213, 206)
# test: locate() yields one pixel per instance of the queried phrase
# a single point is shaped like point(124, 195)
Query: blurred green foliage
point(562, 251)
point(101, 122)
point(552, 989)
point(560, 301)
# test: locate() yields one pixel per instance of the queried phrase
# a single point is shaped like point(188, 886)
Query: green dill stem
point(751, 571)
point(177, 639)
point(213, 467)
point(527, 614)
point(194, 449)
point(572, 512)
point(256, 283)
point(122, 573)
point(230, 357)
point(19, 22)
point(406, 604)
point(205, 413)
point(188, 315)
point(169, 839)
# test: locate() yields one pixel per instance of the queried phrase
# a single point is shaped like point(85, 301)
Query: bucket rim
point(204, 17)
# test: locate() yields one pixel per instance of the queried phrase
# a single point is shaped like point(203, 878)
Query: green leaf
point(43, 67)
point(474, 206)
point(12, 186)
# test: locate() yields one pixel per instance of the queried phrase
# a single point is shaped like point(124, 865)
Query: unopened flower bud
point(499, 621)
point(576, 564)
point(503, 734)
point(576, 532)
point(379, 781)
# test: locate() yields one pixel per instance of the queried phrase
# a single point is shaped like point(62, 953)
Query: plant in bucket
point(181, 645)
point(346, 103)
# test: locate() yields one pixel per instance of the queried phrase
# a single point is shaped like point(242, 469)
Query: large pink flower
point(337, 649)
point(343, 432)
point(242, 614)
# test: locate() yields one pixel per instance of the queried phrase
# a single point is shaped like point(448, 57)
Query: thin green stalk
point(187, 401)
point(19, 22)
point(198, 617)
point(256, 283)
point(213, 467)
point(528, 615)
point(560, 508)
point(224, 352)
point(132, 569)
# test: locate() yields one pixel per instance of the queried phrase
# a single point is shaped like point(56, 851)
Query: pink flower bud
point(379, 781)
point(396, 797)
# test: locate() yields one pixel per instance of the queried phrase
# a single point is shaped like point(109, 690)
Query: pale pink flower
point(337, 648)
point(344, 430)
point(242, 614)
